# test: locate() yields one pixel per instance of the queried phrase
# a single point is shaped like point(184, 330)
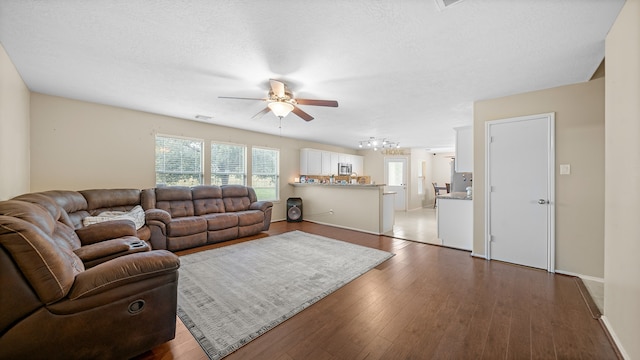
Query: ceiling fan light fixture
point(280, 108)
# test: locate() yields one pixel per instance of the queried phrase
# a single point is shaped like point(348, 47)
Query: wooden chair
point(436, 190)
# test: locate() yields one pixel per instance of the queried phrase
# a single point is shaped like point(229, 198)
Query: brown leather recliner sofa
point(70, 291)
point(186, 217)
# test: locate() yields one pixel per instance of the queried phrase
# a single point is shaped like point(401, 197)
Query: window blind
point(228, 164)
point(265, 173)
point(178, 161)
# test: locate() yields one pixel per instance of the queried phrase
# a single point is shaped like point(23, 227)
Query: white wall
point(14, 130)
point(622, 203)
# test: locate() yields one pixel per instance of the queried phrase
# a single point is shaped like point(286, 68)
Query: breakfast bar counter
point(350, 206)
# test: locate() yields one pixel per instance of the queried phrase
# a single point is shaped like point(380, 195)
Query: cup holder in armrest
point(135, 245)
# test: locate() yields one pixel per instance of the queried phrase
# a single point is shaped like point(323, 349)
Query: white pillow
point(136, 215)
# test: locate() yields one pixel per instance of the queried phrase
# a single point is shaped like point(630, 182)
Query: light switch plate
point(565, 169)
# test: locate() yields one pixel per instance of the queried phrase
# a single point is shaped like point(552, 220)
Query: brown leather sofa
point(77, 205)
point(186, 217)
point(74, 292)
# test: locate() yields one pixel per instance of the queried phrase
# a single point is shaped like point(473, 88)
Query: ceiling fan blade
point(261, 113)
point(241, 98)
point(331, 103)
point(277, 87)
point(296, 110)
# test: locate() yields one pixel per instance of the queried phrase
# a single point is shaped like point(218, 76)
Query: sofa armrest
point(94, 254)
point(261, 205)
point(157, 214)
point(106, 231)
point(122, 271)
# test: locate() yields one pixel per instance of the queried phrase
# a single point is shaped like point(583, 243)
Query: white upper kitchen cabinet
point(310, 162)
point(319, 162)
point(358, 164)
point(326, 167)
point(316, 162)
point(335, 159)
point(345, 158)
point(464, 149)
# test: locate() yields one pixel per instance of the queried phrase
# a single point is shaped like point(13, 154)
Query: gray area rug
point(231, 295)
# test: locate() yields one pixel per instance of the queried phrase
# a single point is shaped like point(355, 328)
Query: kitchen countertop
point(455, 196)
point(339, 185)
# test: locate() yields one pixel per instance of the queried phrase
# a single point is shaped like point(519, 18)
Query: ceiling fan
point(280, 100)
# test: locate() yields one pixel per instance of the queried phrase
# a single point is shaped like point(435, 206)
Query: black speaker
point(294, 209)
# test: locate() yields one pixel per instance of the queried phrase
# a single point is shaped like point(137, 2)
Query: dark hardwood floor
point(427, 302)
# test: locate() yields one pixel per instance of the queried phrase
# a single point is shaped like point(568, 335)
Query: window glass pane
point(178, 161)
point(265, 173)
point(395, 173)
point(228, 164)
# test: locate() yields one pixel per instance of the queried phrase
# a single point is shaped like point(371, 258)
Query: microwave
point(344, 169)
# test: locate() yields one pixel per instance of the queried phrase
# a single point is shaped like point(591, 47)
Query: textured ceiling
point(400, 69)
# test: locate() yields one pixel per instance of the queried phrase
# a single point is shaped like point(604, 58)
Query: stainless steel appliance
point(460, 180)
point(344, 169)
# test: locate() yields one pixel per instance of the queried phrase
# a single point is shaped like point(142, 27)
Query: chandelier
point(378, 143)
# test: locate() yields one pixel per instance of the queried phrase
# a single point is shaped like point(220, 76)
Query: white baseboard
point(479, 255)
point(581, 276)
point(342, 227)
point(614, 337)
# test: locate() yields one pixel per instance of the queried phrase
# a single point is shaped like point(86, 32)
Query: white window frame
point(277, 174)
point(200, 175)
point(243, 174)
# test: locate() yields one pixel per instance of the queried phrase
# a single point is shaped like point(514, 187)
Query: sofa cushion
point(28, 233)
point(101, 200)
point(250, 217)
point(73, 203)
point(221, 221)
point(207, 199)
point(176, 200)
point(186, 226)
point(235, 197)
point(49, 204)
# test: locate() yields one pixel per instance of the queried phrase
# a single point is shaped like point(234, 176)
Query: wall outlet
point(565, 169)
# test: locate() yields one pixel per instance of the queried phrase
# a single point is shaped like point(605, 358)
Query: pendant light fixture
point(280, 108)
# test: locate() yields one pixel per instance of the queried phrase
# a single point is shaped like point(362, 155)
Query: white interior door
point(396, 175)
point(520, 190)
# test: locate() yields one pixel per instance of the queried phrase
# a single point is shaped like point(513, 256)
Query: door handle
point(542, 202)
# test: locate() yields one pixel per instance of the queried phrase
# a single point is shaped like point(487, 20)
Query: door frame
point(551, 239)
point(405, 175)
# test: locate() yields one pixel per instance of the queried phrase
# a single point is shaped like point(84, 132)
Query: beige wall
point(416, 199)
point(622, 205)
point(79, 145)
point(442, 168)
point(355, 208)
point(579, 114)
point(14, 130)
point(374, 167)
